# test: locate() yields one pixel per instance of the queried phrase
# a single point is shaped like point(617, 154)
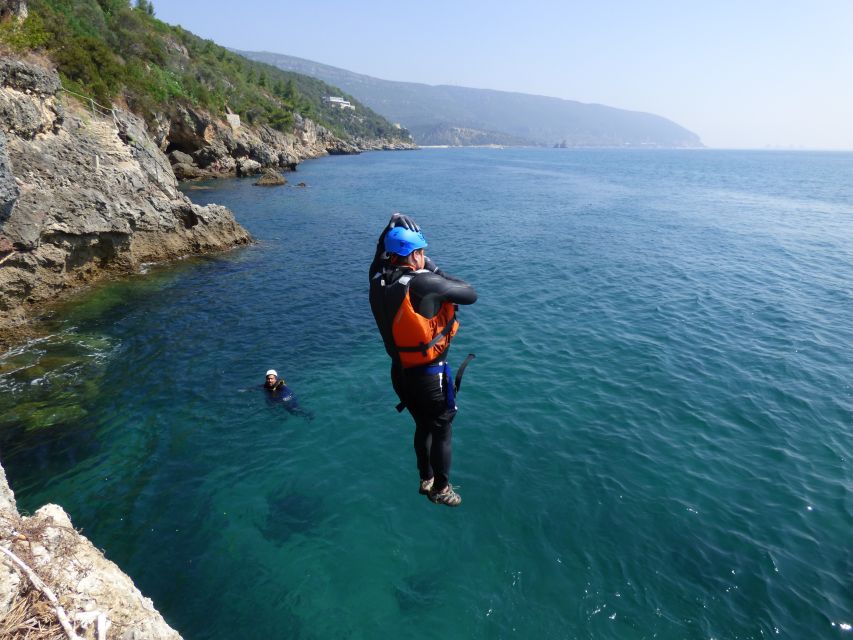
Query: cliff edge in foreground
point(83, 194)
point(95, 597)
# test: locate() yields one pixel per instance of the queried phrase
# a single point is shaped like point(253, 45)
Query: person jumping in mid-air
point(414, 304)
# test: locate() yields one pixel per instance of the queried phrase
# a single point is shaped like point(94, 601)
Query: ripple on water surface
point(654, 439)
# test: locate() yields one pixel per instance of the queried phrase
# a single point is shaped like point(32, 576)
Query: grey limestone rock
point(82, 577)
point(8, 187)
point(132, 132)
point(86, 196)
point(7, 497)
point(27, 103)
point(270, 178)
point(247, 167)
point(224, 165)
point(179, 157)
point(20, 75)
point(187, 171)
point(211, 154)
point(189, 129)
point(218, 149)
point(159, 130)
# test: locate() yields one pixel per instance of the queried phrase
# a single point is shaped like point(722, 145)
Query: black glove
point(429, 265)
point(400, 220)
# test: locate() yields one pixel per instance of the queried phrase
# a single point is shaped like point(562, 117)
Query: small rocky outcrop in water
point(92, 592)
point(270, 178)
point(82, 195)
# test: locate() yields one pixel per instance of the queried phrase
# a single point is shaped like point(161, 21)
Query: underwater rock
point(289, 514)
point(35, 416)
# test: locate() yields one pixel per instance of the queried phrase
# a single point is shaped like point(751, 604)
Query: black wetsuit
point(280, 393)
point(423, 394)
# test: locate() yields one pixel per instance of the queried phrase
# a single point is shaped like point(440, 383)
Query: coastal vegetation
point(115, 51)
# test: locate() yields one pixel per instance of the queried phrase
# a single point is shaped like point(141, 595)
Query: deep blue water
point(654, 441)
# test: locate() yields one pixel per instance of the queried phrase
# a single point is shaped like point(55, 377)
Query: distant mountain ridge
point(445, 114)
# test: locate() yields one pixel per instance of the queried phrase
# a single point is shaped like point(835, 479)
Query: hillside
point(437, 114)
point(103, 108)
point(117, 53)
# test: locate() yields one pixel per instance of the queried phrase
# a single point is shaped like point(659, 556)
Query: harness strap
point(424, 347)
point(458, 382)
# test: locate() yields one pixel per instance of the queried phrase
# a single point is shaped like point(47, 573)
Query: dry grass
point(24, 535)
point(32, 616)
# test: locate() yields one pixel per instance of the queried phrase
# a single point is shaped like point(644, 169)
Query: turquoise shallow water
point(654, 441)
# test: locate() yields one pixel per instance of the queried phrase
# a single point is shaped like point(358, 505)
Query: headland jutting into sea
point(88, 192)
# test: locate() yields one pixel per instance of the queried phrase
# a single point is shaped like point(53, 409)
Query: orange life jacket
point(421, 340)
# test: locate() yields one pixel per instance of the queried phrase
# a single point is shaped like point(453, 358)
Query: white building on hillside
point(337, 101)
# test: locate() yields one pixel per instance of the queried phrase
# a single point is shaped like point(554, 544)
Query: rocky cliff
point(96, 598)
point(200, 145)
point(87, 190)
point(83, 194)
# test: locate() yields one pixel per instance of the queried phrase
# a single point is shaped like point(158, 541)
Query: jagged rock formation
point(87, 190)
point(86, 584)
point(202, 146)
point(83, 194)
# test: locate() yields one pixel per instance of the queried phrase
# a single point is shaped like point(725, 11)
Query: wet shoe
point(426, 485)
point(446, 496)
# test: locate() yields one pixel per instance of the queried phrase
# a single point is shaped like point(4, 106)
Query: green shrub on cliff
point(115, 51)
point(24, 36)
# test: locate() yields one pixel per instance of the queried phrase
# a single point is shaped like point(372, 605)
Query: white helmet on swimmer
point(272, 372)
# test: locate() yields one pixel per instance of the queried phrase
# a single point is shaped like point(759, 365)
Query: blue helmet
point(402, 241)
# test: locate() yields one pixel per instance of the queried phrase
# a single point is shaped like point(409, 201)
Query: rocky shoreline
point(95, 598)
point(200, 146)
point(83, 195)
point(87, 192)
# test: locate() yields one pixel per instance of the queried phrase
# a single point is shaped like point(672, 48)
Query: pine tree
point(289, 90)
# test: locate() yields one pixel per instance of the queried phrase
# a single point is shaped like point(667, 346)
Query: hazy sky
point(748, 73)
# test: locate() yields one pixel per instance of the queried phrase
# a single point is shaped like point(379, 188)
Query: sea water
point(654, 440)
